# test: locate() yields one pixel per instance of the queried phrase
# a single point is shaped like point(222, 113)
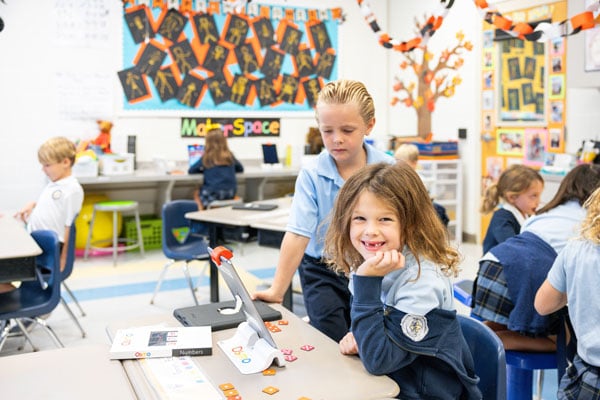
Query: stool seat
point(115, 207)
point(519, 372)
point(125, 205)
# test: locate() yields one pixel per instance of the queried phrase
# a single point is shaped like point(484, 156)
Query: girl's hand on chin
point(382, 263)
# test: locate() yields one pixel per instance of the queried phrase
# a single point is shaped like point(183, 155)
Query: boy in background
point(61, 199)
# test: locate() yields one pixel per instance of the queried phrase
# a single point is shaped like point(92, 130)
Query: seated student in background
point(517, 195)
point(386, 237)
point(61, 199)
point(409, 153)
point(345, 113)
point(219, 166)
point(574, 279)
point(512, 271)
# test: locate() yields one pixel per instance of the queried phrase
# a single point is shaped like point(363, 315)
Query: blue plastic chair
point(488, 355)
point(66, 273)
point(519, 372)
point(194, 247)
point(37, 297)
point(519, 364)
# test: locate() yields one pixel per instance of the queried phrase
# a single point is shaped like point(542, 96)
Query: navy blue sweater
point(437, 366)
point(219, 177)
point(502, 226)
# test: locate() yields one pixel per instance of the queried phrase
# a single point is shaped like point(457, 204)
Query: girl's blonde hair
point(420, 227)
point(345, 91)
point(56, 149)
point(590, 228)
point(216, 150)
point(515, 180)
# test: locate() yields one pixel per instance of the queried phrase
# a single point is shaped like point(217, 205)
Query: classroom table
point(17, 251)
point(254, 178)
point(323, 373)
point(219, 218)
point(70, 373)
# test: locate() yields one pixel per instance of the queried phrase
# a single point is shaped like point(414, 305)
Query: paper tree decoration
point(432, 77)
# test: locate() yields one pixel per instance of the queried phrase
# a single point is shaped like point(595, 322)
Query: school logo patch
point(414, 326)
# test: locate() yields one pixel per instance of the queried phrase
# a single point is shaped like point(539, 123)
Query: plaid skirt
point(580, 382)
point(492, 301)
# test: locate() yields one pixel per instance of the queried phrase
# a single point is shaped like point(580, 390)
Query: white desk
point(323, 373)
point(219, 218)
point(17, 251)
point(254, 179)
point(72, 373)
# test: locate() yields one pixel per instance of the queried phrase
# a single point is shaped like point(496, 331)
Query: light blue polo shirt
point(317, 187)
point(575, 272)
point(558, 225)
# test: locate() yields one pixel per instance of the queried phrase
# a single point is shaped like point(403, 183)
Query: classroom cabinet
point(443, 179)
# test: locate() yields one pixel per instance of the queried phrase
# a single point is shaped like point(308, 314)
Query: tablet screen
point(240, 293)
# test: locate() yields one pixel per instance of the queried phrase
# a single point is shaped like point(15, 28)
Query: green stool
point(115, 207)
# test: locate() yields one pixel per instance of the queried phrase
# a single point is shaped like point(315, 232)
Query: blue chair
point(188, 249)
point(488, 355)
point(519, 364)
point(519, 372)
point(38, 297)
point(463, 291)
point(66, 273)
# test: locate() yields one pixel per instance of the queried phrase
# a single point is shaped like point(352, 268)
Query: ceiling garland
point(522, 30)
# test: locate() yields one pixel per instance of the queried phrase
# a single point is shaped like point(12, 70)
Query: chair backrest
point(488, 355)
point(70, 251)
point(34, 299)
point(173, 216)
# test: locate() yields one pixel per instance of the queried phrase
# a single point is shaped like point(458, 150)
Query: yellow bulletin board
point(522, 71)
point(523, 103)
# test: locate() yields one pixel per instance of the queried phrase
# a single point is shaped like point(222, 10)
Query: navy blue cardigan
point(438, 366)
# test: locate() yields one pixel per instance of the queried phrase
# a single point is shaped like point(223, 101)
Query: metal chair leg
point(540, 384)
point(88, 242)
point(4, 333)
point(25, 333)
point(73, 298)
point(160, 279)
point(186, 271)
point(73, 317)
point(49, 330)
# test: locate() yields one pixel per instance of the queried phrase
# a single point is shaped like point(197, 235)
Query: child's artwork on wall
point(521, 82)
point(204, 57)
point(557, 86)
point(556, 139)
point(535, 146)
point(509, 141)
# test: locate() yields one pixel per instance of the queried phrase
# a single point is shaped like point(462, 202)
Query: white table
point(219, 218)
point(17, 251)
point(254, 179)
point(323, 373)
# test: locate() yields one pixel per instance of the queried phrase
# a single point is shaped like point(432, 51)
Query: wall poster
point(204, 57)
point(522, 70)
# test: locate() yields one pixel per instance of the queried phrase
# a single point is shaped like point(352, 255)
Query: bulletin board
point(205, 56)
point(522, 68)
point(523, 98)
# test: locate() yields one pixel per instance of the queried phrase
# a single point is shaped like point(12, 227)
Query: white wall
point(29, 107)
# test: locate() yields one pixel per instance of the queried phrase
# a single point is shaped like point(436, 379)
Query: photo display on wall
point(205, 56)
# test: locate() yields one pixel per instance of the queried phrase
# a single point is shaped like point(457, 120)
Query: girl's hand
point(382, 263)
point(348, 344)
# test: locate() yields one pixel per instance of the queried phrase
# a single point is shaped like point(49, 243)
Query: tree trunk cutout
point(434, 78)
